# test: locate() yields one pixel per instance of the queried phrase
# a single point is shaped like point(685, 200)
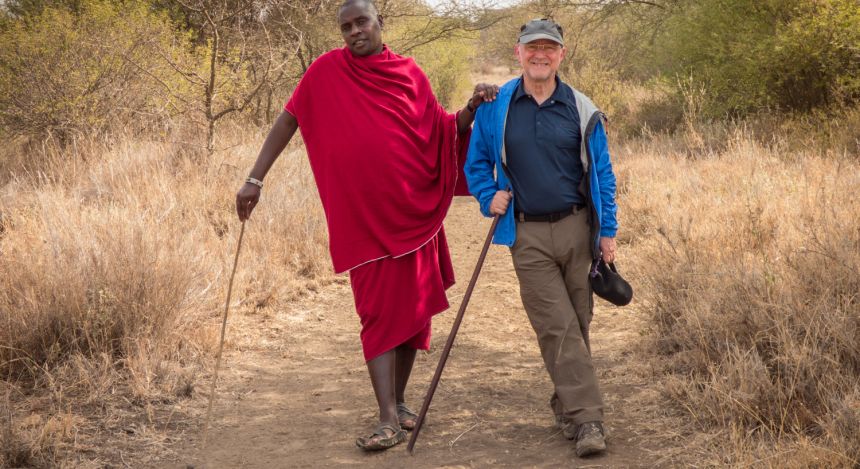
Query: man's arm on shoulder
point(606, 180)
point(484, 93)
point(480, 162)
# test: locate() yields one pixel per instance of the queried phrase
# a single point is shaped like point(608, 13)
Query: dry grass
point(115, 257)
point(748, 261)
point(672, 115)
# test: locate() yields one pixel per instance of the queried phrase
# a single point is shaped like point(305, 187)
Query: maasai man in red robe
point(384, 154)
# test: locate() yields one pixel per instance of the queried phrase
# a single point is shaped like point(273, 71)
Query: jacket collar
point(561, 92)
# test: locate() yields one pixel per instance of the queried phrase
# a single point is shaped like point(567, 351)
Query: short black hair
point(370, 3)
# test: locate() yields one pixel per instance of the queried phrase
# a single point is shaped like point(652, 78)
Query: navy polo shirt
point(542, 143)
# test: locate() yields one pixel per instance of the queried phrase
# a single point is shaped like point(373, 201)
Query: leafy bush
point(64, 72)
point(446, 63)
point(753, 55)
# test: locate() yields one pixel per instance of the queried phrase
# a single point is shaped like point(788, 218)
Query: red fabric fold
point(462, 189)
point(396, 298)
point(384, 153)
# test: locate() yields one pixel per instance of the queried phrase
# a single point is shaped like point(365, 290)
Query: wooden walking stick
point(447, 350)
point(223, 331)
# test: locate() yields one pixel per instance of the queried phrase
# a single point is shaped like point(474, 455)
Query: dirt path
point(295, 391)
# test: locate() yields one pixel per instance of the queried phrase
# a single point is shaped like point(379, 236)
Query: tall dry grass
point(744, 251)
point(115, 258)
point(747, 259)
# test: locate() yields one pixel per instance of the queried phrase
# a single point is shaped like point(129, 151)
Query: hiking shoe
point(589, 439)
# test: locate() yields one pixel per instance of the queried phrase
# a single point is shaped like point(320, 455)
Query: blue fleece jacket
point(485, 165)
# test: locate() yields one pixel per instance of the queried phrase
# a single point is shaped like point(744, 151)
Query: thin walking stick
point(223, 331)
point(447, 350)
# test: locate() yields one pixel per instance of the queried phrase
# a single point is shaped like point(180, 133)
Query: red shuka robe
point(384, 154)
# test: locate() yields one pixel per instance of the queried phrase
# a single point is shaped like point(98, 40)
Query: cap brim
point(534, 37)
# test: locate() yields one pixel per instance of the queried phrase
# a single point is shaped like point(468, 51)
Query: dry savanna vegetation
point(129, 125)
point(748, 258)
point(115, 265)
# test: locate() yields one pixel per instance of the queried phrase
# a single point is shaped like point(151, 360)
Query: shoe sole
point(590, 448)
point(384, 443)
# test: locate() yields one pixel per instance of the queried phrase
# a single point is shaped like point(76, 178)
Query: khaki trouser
point(552, 261)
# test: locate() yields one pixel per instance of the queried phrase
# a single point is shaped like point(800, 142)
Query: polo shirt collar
point(559, 94)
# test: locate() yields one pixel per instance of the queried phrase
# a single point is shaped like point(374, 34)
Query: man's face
point(540, 59)
point(361, 28)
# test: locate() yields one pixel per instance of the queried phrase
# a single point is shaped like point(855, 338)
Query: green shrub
point(751, 55)
point(65, 73)
point(447, 65)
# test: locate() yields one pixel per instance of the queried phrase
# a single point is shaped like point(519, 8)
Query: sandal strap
point(402, 409)
point(380, 430)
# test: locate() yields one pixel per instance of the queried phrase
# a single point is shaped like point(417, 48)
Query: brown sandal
point(378, 440)
point(407, 418)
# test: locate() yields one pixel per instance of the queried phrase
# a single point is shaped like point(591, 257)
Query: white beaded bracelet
point(255, 182)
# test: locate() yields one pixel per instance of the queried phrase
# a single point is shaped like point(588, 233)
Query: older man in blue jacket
point(539, 158)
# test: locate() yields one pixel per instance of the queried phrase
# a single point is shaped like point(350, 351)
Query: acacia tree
point(249, 51)
point(238, 56)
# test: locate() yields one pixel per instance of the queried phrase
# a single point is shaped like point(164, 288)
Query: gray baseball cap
point(543, 28)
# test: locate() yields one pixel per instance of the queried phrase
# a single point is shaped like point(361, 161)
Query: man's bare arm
point(282, 132)
point(483, 93)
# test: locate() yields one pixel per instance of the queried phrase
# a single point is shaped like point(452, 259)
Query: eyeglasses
point(543, 47)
